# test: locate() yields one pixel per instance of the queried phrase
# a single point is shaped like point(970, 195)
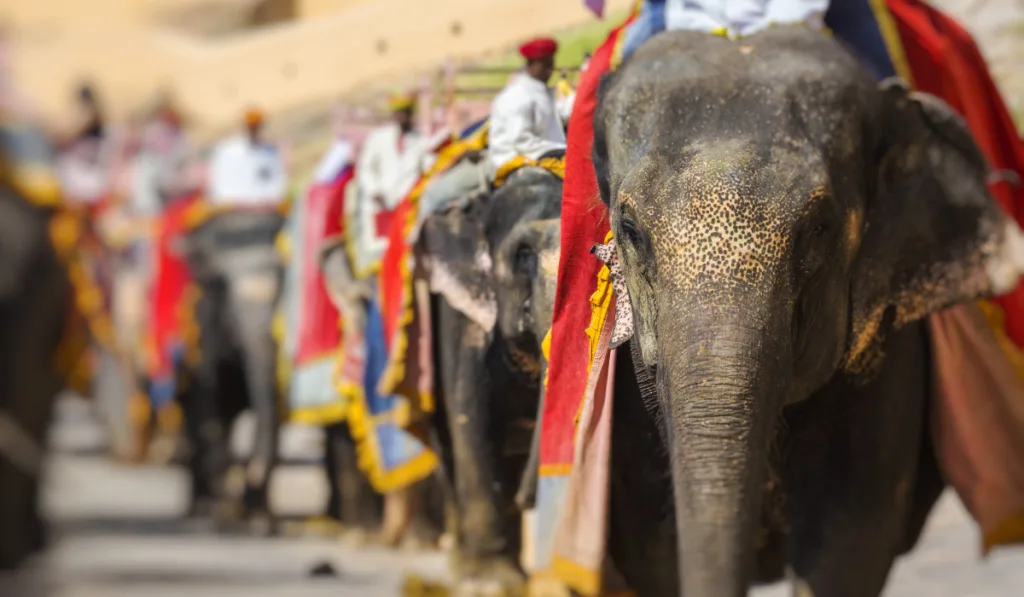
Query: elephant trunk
point(722, 380)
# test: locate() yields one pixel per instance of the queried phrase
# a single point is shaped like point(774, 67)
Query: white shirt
point(524, 121)
point(336, 158)
point(387, 171)
point(741, 17)
point(384, 170)
point(244, 174)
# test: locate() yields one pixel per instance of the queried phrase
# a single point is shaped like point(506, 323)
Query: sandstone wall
point(340, 46)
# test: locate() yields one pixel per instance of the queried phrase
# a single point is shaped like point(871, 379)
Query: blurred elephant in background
point(236, 266)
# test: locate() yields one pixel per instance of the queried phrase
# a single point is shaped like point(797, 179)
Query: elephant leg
point(258, 356)
point(483, 546)
point(398, 508)
point(852, 472)
point(359, 505)
point(197, 424)
point(30, 388)
point(641, 527)
point(333, 470)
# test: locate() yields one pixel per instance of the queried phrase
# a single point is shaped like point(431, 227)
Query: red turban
point(539, 48)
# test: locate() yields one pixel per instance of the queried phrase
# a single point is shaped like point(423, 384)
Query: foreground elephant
point(782, 224)
point(234, 262)
point(35, 301)
point(491, 265)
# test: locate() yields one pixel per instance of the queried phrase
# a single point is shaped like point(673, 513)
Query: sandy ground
point(118, 533)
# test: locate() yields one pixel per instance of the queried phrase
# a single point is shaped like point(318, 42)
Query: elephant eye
point(526, 260)
point(630, 233)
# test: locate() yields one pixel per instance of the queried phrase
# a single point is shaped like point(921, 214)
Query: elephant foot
point(492, 577)
point(202, 507)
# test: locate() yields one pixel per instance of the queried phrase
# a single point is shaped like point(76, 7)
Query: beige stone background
point(295, 58)
point(219, 56)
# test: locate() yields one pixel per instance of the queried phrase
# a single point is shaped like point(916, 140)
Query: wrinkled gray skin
point(233, 259)
point(35, 296)
point(784, 223)
point(494, 250)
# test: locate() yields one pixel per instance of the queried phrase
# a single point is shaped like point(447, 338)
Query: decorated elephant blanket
point(408, 370)
point(311, 331)
point(978, 423)
point(168, 323)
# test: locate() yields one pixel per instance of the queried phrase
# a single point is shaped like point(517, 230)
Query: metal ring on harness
point(19, 448)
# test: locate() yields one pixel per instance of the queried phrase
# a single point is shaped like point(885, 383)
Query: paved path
point(118, 534)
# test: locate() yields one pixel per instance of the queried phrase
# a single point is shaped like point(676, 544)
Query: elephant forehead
point(725, 229)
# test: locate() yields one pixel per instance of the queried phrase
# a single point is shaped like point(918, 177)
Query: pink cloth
point(582, 535)
point(977, 415)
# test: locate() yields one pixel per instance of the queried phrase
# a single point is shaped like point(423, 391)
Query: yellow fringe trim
point(201, 211)
point(555, 470)
point(584, 581)
point(600, 302)
point(283, 245)
point(170, 417)
point(891, 36)
point(545, 350)
point(359, 421)
point(394, 371)
point(321, 415)
point(368, 458)
point(38, 184)
point(555, 166)
point(283, 373)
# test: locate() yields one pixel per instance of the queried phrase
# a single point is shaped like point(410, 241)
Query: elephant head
point(233, 256)
point(776, 212)
point(526, 268)
point(495, 258)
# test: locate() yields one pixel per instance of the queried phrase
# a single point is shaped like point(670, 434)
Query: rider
point(524, 119)
point(393, 158)
point(736, 18)
point(246, 170)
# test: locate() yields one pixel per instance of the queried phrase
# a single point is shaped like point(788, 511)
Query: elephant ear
point(454, 252)
point(932, 235)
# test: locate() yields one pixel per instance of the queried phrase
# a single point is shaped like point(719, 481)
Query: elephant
point(782, 223)
point(36, 298)
point(233, 261)
point(491, 264)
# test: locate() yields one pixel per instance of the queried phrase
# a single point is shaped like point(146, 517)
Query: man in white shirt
point(524, 119)
point(246, 170)
point(735, 18)
point(391, 162)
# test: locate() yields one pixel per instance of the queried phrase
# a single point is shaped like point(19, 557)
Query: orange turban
point(253, 117)
point(538, 49)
